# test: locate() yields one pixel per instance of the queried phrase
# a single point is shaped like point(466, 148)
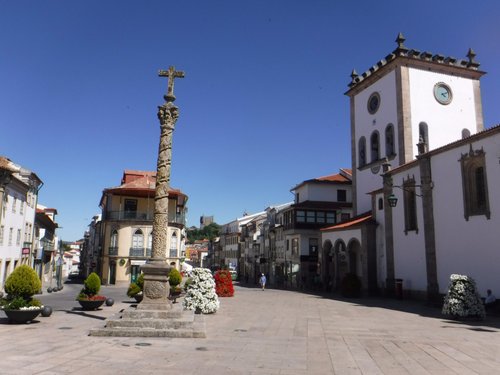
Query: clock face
point(373, 102)
point(442, 93)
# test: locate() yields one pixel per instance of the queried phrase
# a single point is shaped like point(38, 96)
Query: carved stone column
point(156, 286)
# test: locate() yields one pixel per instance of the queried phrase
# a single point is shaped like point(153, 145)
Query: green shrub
point(140, 281)
point(23, 282)
point(350, 286)
point(174, 277)
point(133, 289)
point(187, 283)
point(92, 284)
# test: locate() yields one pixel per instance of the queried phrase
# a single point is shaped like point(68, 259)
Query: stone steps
point(154, 323)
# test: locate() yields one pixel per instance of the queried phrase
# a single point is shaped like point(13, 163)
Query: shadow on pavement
point(80, 312)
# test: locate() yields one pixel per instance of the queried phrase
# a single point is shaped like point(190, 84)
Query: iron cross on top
point(171, 74)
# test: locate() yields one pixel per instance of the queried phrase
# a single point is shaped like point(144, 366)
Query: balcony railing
point(112, 251)
point(179, 218)
point(136, 252)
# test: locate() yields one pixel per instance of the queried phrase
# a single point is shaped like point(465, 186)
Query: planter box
point(91, 304)
point(22, 316)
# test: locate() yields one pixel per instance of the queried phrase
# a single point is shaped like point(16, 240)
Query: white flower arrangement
point(462, 299)
point(31, 308)
point(201, 292)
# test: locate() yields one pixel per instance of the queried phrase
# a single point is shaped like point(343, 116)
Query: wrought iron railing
point(136, 252)
point(179, 218)
point(112, 251)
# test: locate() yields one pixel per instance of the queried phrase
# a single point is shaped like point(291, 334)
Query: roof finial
point(472, 63)
point(354, 74)
point(400, 40)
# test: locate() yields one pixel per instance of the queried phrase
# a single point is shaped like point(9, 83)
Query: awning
point(137, 262)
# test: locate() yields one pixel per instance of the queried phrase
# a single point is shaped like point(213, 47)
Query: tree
point(208, 232)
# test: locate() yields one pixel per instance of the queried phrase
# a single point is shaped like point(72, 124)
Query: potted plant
point(174, 279)
point(135, 289)
point(19, 305)
point(88, 297)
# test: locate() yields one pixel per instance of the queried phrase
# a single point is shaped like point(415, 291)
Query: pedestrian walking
point(263, 281)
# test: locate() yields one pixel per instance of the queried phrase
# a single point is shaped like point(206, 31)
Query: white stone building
point(413, 120)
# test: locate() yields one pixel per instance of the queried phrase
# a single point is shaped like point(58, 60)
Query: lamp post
point(156, 286)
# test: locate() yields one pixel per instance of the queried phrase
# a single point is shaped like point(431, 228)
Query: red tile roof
point(367, 216)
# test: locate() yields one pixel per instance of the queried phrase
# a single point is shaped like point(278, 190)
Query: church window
point(465, 133)
point(375, 146)
point(410, 205)
point(389, 140)
point(362, 152)
point(474, 183)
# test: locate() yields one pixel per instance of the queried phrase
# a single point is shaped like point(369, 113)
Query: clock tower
point(408, 98)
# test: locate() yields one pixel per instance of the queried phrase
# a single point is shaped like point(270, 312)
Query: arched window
point(173, 245)
point(362, 152)
point(113, 243)
point(375, 146)
point(423, 134)
point(465, 133)
point(475, 186)
point(389, 140)
point(138, 239)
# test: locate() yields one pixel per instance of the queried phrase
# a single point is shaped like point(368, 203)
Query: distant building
point(18, 199)
point(206, 220)
point(127, 224)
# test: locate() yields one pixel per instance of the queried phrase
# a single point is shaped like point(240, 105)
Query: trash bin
point(399, 288)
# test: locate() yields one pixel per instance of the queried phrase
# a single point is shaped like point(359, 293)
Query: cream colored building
point(127, 224)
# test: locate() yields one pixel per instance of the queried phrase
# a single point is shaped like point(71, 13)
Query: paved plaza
point(259, 332)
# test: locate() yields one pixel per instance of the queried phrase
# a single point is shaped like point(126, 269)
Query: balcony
point(113, 251)
point(137, 252)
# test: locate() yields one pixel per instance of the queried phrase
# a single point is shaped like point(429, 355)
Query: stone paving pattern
point(263, 332)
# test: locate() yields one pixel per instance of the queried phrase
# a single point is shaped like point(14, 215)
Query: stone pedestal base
point(156, 287)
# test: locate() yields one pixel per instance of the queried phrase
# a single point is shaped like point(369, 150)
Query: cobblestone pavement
point(262, 332)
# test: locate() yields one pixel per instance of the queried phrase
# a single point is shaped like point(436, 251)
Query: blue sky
point(262, 106)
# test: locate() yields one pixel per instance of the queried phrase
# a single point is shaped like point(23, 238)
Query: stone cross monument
point(156, 286)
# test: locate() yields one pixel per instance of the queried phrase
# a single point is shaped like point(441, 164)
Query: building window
point(341, 195)
point(173, 245)
point(475, 184)
point(320, 217)
point(21, 207)
point(18, 237)
point(330, 218)
point(362, 152)
point(14, 204)
point(11, 232)
point(138, 239)
point(150, 240)
point(130, 208)
point(301, 216)
point(375, 146)
point(410, 205)
point(295, 246)
point(114, 239)
point(1, 234)
point(389, 140)
point(313, 246)
point(380, 204)
point(310, 216)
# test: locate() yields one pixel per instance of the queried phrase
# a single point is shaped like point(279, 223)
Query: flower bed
point(201, 295)
point(224, 283)
point(462, 299)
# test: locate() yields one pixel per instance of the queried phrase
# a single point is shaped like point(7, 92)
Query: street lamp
point(393, 201)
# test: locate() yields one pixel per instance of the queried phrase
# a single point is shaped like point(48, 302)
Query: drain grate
point(65, 327)
point(143, 344)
